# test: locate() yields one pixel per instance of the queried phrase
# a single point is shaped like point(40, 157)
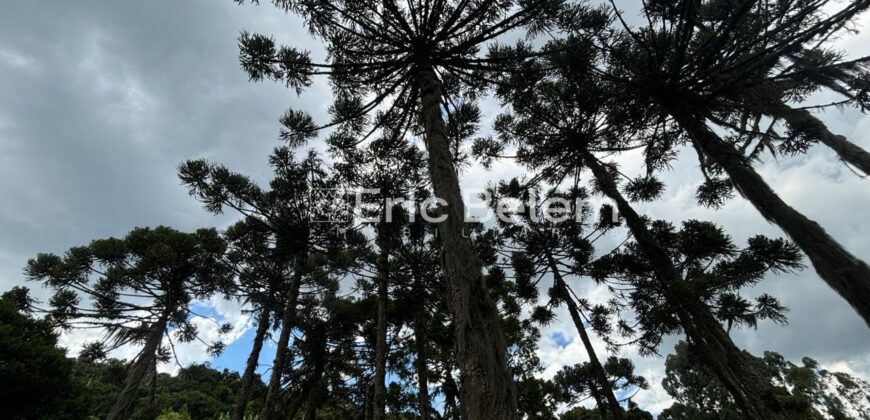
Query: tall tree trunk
point(600, 402)
point(140, 368)
point(383, 268)
point(421, 365)
point(287, 321)
point(368, 407)
point(803, 121)
point(842, 271)
point(251, 366)
point(725, 360)
point(305, 393)
point(487, 383)
point(152, 392)
point(610, 406)
point(316, 397)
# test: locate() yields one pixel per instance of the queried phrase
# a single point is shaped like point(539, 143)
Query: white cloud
point(187, 353)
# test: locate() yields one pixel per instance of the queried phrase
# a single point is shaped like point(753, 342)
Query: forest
point(373, 296)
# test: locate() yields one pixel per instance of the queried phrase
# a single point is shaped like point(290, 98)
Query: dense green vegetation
point(35, 376)
point(38, 380)
point(804, 391)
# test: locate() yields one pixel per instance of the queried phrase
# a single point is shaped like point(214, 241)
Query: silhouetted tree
point(136, 289)
point(262, 273)
point(387, 171)
point(713, 271)
point(414, 59)
point(685, 65)
point(557, 125)
point(579, 381)
point(420, 303)
point(302, 212)
point(325, 353)
point(547, 236)
point(35, 375)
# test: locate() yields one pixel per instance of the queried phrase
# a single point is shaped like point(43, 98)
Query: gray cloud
point(105, 99)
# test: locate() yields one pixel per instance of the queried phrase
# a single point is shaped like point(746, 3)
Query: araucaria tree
point(137, 289)
point(420, 303)
point(290, 211)
point(714, 272)
point(386, 302)
point(409, 60)
point(389, 170)
point(557, 127)
point(547, 237)
point(262, 280)
point(579, 381)
point(697, 62)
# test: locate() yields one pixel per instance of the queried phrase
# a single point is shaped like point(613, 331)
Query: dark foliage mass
point(382, 301)
point(34, 374)
point(38, 380)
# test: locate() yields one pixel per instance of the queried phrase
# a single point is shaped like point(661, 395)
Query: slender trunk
point(368, 407)
point(316, 396)
point(383, 267)
point(305, 393)
point(803, 121)
point(719, 353)
point(287, 321)
point(421, 365)
point(721, 356)
point(600, 403)
point(152, 394)
point(609, 404)
point(487, 383)
point(251, 366)
point(726, 362)
point(140, 368)
point(842, 271)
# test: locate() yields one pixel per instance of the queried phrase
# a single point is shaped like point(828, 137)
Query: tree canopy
point(356, 262)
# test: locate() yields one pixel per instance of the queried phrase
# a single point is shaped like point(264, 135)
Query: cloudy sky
point(103, 99)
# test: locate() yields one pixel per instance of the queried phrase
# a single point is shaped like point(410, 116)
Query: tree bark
point(842, 271)
point(152, 392)
point(610, 406)
point(488, 391)
point(719, 353)
point(368, 407)
point(304, 395)
point(383, 268)
point(251, 366)
point(287, 321)
point(803, 121)
point(140, 368)
point(421, 365)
